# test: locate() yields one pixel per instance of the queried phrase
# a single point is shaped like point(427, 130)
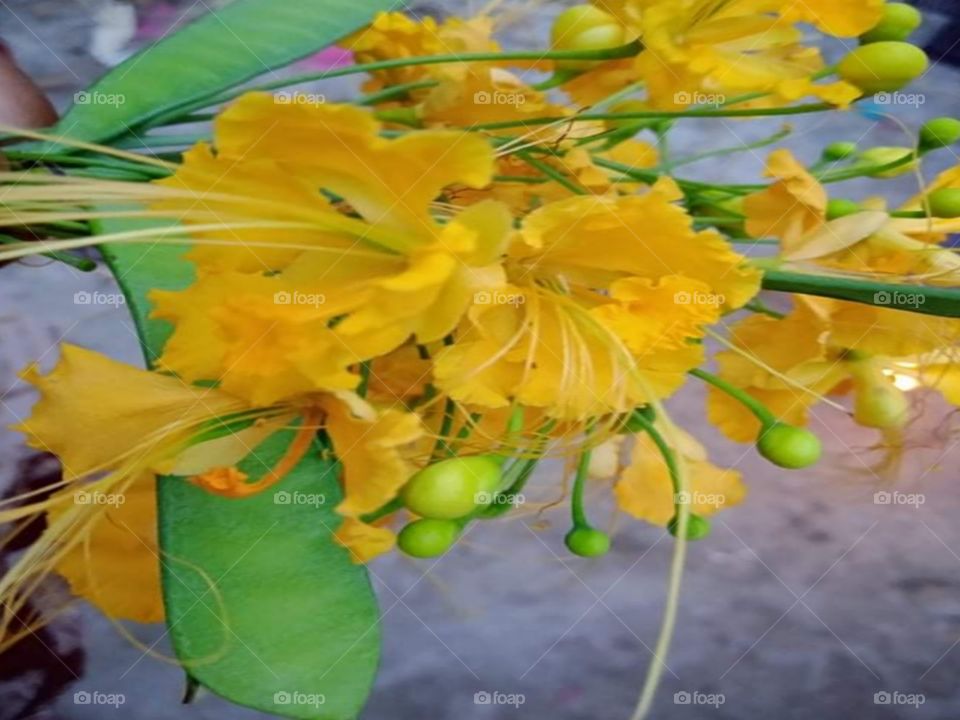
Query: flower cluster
point(462, 274)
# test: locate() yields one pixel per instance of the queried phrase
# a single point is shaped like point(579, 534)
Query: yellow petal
point(646, 492)
point(117, 567)
point(365, 542)
point(371, 449)
point(94, 411)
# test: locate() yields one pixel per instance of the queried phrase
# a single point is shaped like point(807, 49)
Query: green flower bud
point(883, 66)
point(697, 527)
point(841, 207)
point(789, 447)
point(428, 538)
point(899, 21)
point(945, 202)
point(452, 488)
point(839, 150)
point(939, 132)
point(587, 542)
point(585, 27)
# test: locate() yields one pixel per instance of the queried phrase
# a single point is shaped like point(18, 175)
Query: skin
point(22, 103)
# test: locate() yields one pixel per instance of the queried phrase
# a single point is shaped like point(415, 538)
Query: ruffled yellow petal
point(365, 542)
point(94, 411)
point(372, 448)
point(646, 492)
point(791, 208)
point(117, 565)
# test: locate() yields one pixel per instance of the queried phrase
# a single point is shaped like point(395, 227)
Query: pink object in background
point(158, 19)
point(331, 57)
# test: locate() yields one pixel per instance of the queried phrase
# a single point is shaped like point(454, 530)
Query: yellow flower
point(350, 288)
point(575, 330)
point(825, 347)
point(703, 52)
point(646, 491)
point(393, 35)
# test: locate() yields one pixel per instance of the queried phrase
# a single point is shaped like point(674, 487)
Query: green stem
point(552, 173)
point(81, 264)
point(923, 299)
point(758, 306)
point(623, 51)
point(577, 511)
point(645, 115)
point(756, 407)
point(396, 91)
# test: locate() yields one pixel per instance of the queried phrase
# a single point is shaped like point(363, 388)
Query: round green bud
point(881, 406)
point(789, 447)
point(945, 202)
point(839, 150)
point(698, 527)
point(585, 27)
point(452, 488)
point(841, 207)
point(587, 542)
point(939, 132)
point(883, 66)
point(899, 21)
point(428, 537)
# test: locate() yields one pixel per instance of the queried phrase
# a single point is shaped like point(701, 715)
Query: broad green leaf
point(263, 607)
point(222, 49)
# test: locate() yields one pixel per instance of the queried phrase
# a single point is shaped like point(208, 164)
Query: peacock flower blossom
point(341, 283)
point(574, 328)
point(831, 347)
point(695, 50)
point(793, 209)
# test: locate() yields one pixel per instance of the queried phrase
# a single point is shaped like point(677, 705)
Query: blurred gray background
point(806, 600)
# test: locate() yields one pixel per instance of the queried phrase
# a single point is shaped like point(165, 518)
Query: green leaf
point(220, 50)
point(263, 607)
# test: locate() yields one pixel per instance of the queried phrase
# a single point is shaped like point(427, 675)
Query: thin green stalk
point(81, 264)
point(552, 173)
point(628, 50)
point(761, 411)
